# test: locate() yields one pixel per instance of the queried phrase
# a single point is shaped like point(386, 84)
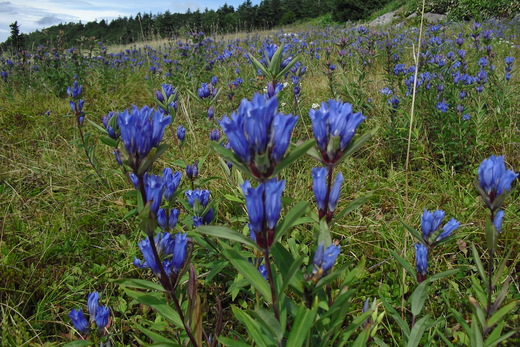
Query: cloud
point(49, 20)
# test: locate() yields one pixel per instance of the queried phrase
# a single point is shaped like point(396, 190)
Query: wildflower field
point(323, 186)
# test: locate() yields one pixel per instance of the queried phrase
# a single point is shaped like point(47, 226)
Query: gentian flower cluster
point(334, 125)
point(326, 199)
point(198, 200)
point(494, 181)
point(263, 205)
point(172, 251)
point(76, 104)
point(98, 314)
point(141, 130)
point(430, 224)
point(432, 234)
point(259, 135)
point(509, 66)
point(167, 99)
point(157, 187)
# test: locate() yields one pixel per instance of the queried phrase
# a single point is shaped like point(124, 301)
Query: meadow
point(76, 206)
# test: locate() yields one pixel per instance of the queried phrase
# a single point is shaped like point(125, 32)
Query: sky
point(32, 15)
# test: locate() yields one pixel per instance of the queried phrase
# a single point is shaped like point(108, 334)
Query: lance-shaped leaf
point(228, 234)
point(248, 271)
point(302, 325)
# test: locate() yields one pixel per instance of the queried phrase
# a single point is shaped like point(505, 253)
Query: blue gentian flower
point(324, 259)
point(181, 133)
point(497, 221)
point(102, 317)
point(263, 271)
point(171, 183)
point(79, 321)
point(254, 205)
point(319, 179)
point(443, 106)
point(141, 130)
point(335, 192)
point(421, 258)
point(214, 135)
point(192, 171)
point(211, 112)
point(257, 130)
point(204, 91)
point(75, 90)
point(201, 195)
point(273, 201)
point(180, 251)
point(93, 304)
point(494, 179)
point(171, 249)
point(430, 222)
point(448, 229)
point(334, 125)
point(154, 187)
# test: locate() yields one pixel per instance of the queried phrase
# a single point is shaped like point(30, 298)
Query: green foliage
point(469, 9)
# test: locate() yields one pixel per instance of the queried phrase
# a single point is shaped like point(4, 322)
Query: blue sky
point(32, 15)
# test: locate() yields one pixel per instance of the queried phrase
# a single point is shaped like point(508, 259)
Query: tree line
point(143, 26)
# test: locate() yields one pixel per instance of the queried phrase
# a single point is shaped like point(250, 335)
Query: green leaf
point(260, 66)
point(226, 341)
point(417, 332)
point(193, 95)
point(159, 304)
point(414, 233)
point(248, 271)
point(297, 152)
point(228, 234)
point(418, 297)
point(284, 261)
point(275, 62)
point(476, 335)
point(404, 325)
point(478, 263)
point(501, 295)
point(361, 340)
point(315, 154)
point(160, 150)
point(230, 156)
point(442, 275)
point(78, 343)
point(269, 321)
point(356, 145)
point(329, 278)
point(461, 320)
point(139, 284)
point(501, 313)
point(503, 264)
point(109, 141)
point(302, 325)
point(494, 342)
point(356, 323)
point(233, 198)
point(287, 68)
point(289, 220)
point(98, 127)
point(351, 207)
point(293, 270)
point(156, 337)
point(253, 328)
point(405, 264)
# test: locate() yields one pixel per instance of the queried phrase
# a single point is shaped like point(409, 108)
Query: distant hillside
point(247, 17)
